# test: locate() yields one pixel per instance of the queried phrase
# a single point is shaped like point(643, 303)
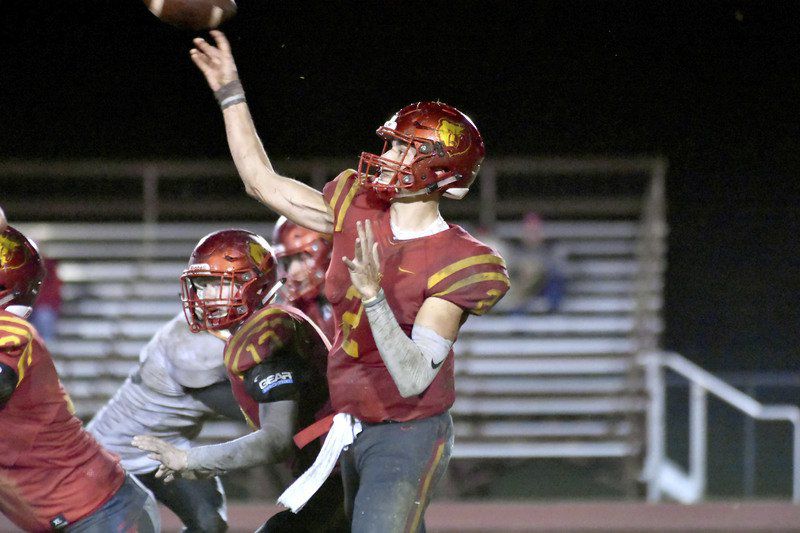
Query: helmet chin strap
point(271, 294)
point(456, 193)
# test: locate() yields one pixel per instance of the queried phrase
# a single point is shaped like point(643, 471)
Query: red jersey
point(49, 466)
point(451, 265)
point(291, 353)
point(320, 312)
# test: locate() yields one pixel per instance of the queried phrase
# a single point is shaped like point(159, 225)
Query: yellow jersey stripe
point(247, 419)
point(475, 278)
point(485, 259)
point(15, 320)
point(346, 205)
point(11, 341)
point(425, 486)
point(343, 177)
point(24, 362)
point(14, 330)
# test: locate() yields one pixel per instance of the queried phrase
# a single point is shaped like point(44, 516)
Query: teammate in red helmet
point(54, 474)
point(275, 361)
point(402, 281)
point(304, 255)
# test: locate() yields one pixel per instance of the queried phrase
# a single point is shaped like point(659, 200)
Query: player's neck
point(414, 215)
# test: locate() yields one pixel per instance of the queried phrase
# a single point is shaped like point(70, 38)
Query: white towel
point(341, 435)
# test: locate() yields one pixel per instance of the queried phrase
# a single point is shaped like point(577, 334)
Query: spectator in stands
point(48, 306)
point(537, 270)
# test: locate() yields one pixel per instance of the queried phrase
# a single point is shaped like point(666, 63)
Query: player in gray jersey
point(179, 384)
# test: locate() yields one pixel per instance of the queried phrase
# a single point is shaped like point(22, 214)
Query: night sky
point(712, 86)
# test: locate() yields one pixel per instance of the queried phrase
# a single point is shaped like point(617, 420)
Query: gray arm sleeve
point(412, 362)
point(270, 444)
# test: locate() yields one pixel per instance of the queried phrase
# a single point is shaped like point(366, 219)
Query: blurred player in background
point(275, 360)
point(179, 384)
point(53, 474)
point(399, 301)
point(304, 256)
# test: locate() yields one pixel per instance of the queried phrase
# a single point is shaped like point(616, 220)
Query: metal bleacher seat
point(563, 384)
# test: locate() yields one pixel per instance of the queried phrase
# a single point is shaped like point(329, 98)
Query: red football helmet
point(21, 269)
point(231, 274)
point(448, 153)
point(290, 240)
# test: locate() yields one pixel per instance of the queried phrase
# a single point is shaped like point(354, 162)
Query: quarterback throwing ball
point(401, 281)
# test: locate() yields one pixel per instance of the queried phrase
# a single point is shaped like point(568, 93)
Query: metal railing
point(664, 477)
point(154, 181)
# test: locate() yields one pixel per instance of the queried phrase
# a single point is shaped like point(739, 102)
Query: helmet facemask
point(304, 256)
point(214, 300)
point(302, 283)
point(231, 274)
point(415, 174)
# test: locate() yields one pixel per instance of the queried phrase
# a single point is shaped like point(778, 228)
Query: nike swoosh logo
point(436, 365)
point(401, 269)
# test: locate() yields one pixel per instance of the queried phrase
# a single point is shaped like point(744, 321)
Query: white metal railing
point(661, 474)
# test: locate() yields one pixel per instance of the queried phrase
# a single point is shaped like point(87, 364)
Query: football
point(192, 14)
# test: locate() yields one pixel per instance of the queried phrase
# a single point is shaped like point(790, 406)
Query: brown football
point(192, 14)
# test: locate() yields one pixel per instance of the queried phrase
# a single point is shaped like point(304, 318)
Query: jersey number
point(350, 322)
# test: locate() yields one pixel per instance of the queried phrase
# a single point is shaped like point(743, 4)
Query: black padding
point(8, 382)
point(271, 381)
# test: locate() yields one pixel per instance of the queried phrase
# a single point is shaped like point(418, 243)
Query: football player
point(304, 256)
point(179, 384)
point(275, 359)
point(402, 282)
point(53, 474)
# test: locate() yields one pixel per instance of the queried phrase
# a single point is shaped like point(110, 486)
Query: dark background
point(712, 86)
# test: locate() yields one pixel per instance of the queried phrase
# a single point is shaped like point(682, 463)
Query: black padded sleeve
point(219, 398)
point(271, 381)
point(8, 382)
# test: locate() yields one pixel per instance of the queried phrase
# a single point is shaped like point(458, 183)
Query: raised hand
point(365, 267)
point(215, 62)
point(174, 461)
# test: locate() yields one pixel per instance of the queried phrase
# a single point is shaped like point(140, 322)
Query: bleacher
point(560, 384)
point(536, 384)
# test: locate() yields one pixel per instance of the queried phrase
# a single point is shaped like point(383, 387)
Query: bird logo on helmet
point(447, 153)
point(231, 274)
point(311, 249)
point(21, 271)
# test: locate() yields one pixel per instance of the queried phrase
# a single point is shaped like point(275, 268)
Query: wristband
point(229, 94)
point(369, 302)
